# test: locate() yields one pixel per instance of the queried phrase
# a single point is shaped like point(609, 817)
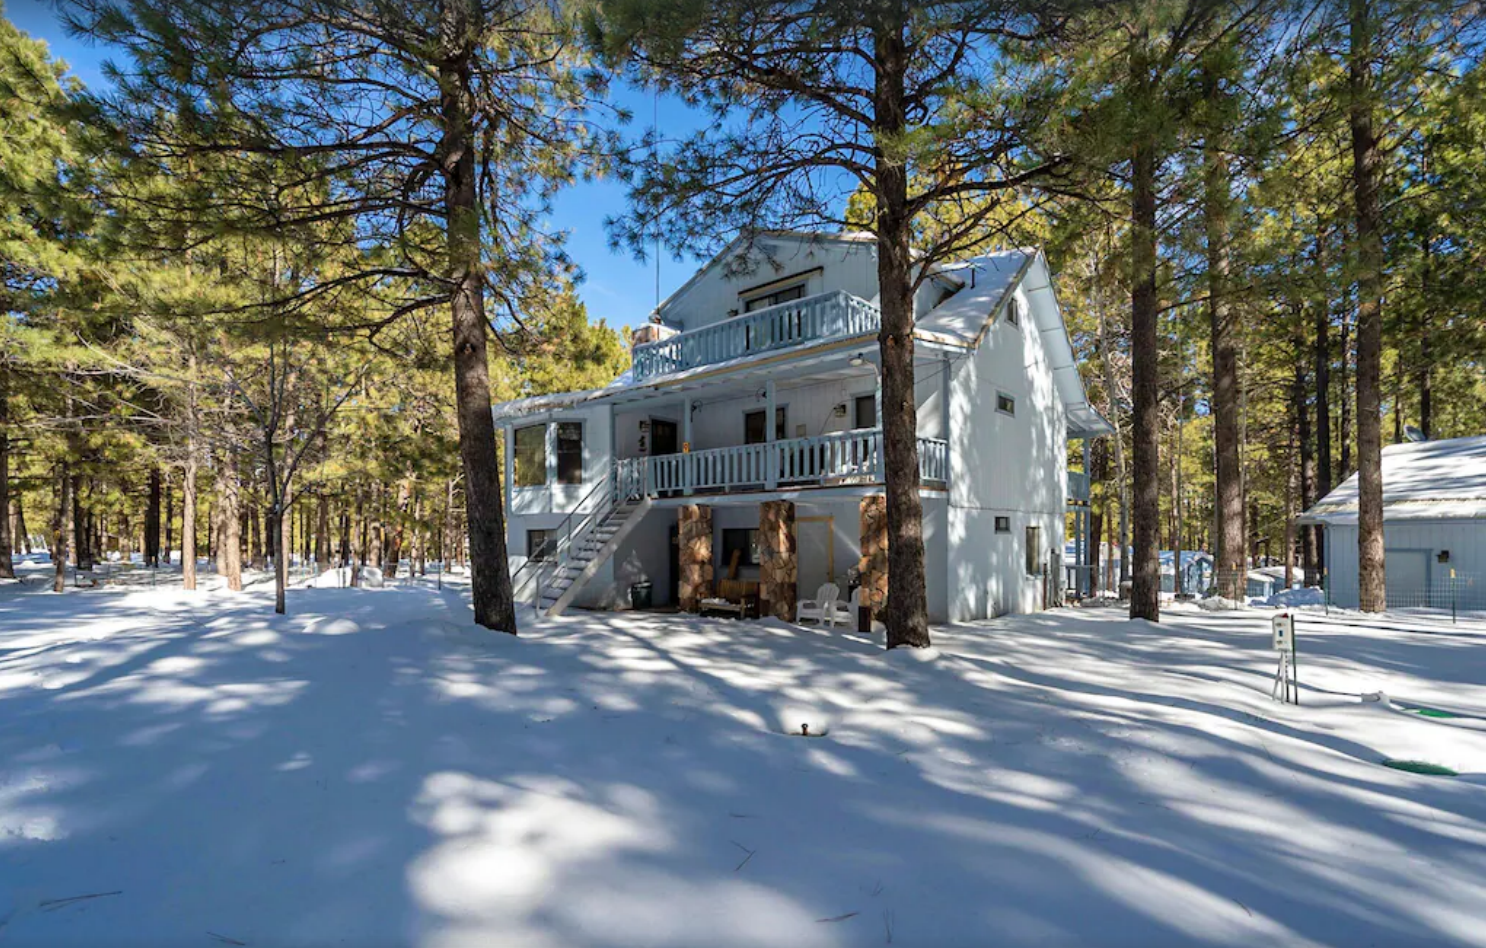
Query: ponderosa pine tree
point(439, 129)
point(35, 152)
point(915, 104)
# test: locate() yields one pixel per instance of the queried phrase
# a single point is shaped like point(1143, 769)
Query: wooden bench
point(735, 597)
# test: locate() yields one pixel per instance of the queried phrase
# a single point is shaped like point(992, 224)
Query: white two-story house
point(744, 444)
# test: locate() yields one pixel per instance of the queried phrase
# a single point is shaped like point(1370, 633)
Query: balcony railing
point(825, 316)
point(851, 457)
point(1078, 486)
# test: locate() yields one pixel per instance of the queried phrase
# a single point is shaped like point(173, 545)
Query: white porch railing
point(845, 457)
point(933, 461)
point(823, 316)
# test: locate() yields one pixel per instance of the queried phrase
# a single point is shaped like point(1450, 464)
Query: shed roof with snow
point(1425, 480)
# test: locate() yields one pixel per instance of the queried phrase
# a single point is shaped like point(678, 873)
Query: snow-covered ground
point(188, 769)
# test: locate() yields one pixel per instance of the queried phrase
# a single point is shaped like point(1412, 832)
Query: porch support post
point(881, 472)
point(694, 534)
point(771, 476)
point(551, 438)
point(944, 417)
point(686, 446)
point(508, 438)
point(1085, 555)
point(872, 567)
point(613, 470)
point(778, 562)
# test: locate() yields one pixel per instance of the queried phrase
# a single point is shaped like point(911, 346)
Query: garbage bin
point(640, 595)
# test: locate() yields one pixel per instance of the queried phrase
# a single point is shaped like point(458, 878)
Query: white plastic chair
point(825, 608)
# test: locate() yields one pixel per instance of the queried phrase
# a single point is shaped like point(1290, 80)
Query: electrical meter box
point(1282, 628)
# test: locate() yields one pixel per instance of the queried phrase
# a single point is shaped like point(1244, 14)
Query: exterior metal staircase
point(585, 540)
point(590, 549)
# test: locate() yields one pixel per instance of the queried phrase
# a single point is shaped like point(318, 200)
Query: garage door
point(1407, 578)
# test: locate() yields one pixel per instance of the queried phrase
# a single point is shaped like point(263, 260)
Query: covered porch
point(761, 556)
point(813, 422)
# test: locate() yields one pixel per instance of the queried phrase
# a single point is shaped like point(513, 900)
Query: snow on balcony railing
point(825, 316)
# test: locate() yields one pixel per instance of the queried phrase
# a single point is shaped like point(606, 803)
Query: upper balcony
point(833, 315)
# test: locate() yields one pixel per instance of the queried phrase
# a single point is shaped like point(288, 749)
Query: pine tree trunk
point(446, 535)
point(306, 535)
point(1308, 562)
point(1323, 404)
point(230, 549)
point(1365, 161)
point(255, 534)
point(188, 520)
point(1145, 588)
point(7, 565)
point(374, 546)
point(168, 524)
point(1106, 347)
point(1292, 484)
point(269, 547)
point(283, 521)
point(907, 614)
point(1344, 400)
point(152, 521)
point(359, 553)
point(322, 533)
point(21, 536)
point(1224, 348)
point(81, 526)
point(1424, 375)
point(494, 602)
point(61, 529)
point(420, 542)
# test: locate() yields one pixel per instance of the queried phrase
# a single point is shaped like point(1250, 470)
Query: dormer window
point(775, 297)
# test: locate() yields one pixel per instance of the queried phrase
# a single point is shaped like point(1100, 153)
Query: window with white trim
point(570, 452)
point(1005, 404)
point(531, 456)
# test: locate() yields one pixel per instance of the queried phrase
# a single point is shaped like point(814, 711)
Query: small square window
point(539, 545)
point(1003, 524)
point(1005, 404)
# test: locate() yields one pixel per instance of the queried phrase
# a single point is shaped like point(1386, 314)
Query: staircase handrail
point(564, 546)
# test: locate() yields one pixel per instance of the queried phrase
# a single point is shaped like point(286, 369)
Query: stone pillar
point(778, 568)
point(872, 567)
point(694, 534)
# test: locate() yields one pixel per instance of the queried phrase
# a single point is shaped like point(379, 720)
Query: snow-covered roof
point(1426, 480)
point(989, 280)
point(745, 240)
point(985, 284)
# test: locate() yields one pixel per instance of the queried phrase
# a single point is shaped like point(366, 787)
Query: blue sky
point(617, 288)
